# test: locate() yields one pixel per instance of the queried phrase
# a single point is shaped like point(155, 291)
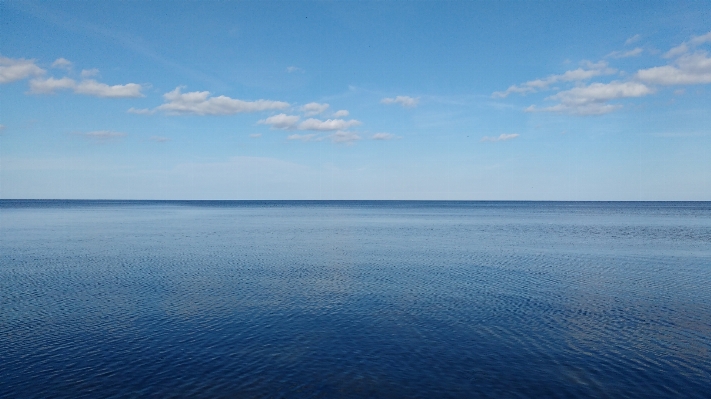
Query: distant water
point(111, 299)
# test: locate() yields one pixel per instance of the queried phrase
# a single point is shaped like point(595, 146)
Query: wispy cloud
point(102, 135)
point(312, 109)
point(88, 73)
point(304, 137)
point(17, 69)
point(329, 124)
point(592, 99)
point(281, 121)
point(688, 45)
point(501, 137)
point(633, 39)
point(344, 137)
point(405, 101)
point(87, 87)
point(382, 136)
point(141, 111)
point(255, 135)
point(625, 54)
point(62, 63)
point(588, 71)
point(340, 113)
point(688, 69)
point(159, 139)
point(292, 69)
point(200, 103)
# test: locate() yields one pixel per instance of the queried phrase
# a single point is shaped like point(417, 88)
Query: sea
point(354, 299)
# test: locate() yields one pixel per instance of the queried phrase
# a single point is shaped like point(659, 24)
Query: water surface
point(354, 299)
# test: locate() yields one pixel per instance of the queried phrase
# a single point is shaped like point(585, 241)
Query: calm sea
point(113, 299)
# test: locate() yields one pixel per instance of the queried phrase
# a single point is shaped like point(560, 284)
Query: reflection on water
point(354, 299)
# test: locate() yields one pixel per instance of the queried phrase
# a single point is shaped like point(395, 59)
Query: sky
point(424, 100)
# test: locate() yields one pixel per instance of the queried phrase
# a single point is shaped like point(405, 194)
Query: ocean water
point(112, 299)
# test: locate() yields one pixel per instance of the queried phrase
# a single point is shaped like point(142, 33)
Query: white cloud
point(304, 137)
point(686, 46)
point(159, 139)
point(340, 113)
point(405, 101)
point(87, 87)
point(102, 135)
point(312, 109)
point(383, 136)
point(87, 73)
point(292, 69)
point(62, 63)
point(592, 99)
point(49, 85)
point(688, 69)
point(344, 137)
point(93, 88)
point(632, 39)
point(17, 69)
point(588, 71)
point(200, 103)
point(255, 135)
point(141, 111)
point(281, 121)
point(501, 137)
point(625, 54)
point(329, 124)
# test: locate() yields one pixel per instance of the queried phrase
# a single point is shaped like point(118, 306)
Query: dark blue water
point(354, 299)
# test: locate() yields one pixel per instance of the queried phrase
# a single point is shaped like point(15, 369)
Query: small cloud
point(255, 135)
point(62, 63)
point(685, 47)
point(501, 137)
point(102, 135)
point(405, 101)
point(329, 124)
point(49, 85)
point(340, 113)
point(141, 111)
point(281, 121)
point(87, 73)
point(588, 71)
point(13, 69)
point(383, 136)
point(592, 99)
point(93, 88)
point(633, 39)
point(159, 139)
point(312, 109)
point(200, 103)
point(292, 69)
point(344, 137)
point(625, 54)
point(688, 69)
point(303, 137)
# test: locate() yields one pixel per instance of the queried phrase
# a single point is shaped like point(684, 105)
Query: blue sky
point(356, 100)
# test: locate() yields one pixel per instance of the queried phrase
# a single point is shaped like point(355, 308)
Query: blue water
point(114, 299)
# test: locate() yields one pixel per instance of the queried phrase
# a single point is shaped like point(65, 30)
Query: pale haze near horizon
point(360, 100)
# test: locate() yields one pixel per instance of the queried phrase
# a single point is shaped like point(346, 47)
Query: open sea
point(362, 299)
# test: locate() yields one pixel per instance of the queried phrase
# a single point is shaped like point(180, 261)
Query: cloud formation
point(102, 135)
point(592, 99)
point(87, 87)
point(633, 39)
point(292, 69)
point(62, 63)
point(688, 45)
point(383, 136)
point(405, 101)
point(625, 54)
point(87, 73)
point(340, 113)
point(312, 109)
point(17, 69)
point(588, 71)
point(329, 124)
point(200, 103)
point(304, 137)
point(281, 121)
point(344, 137)
point(501, 137)
point(688, 69)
